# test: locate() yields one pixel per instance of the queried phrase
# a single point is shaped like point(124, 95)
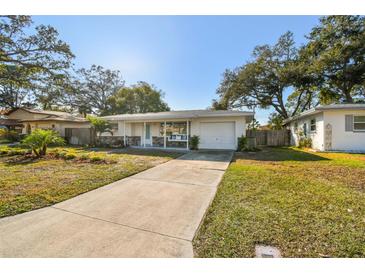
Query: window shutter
point(349, 122)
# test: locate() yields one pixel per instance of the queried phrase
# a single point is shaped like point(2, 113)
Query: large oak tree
point(32, 59)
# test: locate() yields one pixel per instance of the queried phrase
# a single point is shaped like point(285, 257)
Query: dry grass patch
point(27, 183)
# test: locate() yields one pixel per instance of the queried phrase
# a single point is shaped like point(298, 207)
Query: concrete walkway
point(152, 214)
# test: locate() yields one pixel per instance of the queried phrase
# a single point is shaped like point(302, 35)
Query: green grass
point(304, 203)
point(27, 183)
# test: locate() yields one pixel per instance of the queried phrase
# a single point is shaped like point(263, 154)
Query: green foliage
point(93, 87)
point(262, 81)
point(303, 141)
point(194, 142)
point(10, 151)
point(275, 121)
point(139, 98)
point(335, 55)
point(84, 157)
point(33, 61)
point(253, 125)
point(10, 135)
point(96, 158)
point(99, 125)
point(40, 139)
point(70, 156)
point(242, 143)
point(329, 68)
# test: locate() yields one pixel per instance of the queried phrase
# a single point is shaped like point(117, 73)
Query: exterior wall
point(341, 139)
point(136, 128)
point(316, 136)
point(58, 126)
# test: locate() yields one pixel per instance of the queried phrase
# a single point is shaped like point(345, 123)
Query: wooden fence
point(270, 137)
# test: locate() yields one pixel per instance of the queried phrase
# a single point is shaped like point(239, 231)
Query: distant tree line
point(36, 70)
point(328, 68)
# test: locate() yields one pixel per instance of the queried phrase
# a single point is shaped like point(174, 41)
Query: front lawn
point(304, 203)
point(27, 183)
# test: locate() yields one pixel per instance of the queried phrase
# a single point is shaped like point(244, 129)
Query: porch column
point(124, 139)
point(164, 135)
point(187, 134)
point(144, 134)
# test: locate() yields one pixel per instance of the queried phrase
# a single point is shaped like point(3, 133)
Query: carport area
point(152, 214)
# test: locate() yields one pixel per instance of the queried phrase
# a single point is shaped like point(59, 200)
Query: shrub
point(84, 157)
point(70, 156)
point(242, 143)
point(40, 139)
point(61, 154)
point(95, 159)
point(305, 142)
point(10, 135)
point(194, 142)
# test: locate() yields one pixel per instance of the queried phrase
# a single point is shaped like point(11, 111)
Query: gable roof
point(180, 114)
point(322, 108)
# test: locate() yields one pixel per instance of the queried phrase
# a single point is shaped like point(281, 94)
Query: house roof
point(45, 112)
point(180, 114)
point(322, 108)
point(61, 119)
point(9, 122)
point(51, 116)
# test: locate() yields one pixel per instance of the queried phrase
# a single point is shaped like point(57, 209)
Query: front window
point(114, 126)
point(359, 123)
point(313, 125)
point(175, 131)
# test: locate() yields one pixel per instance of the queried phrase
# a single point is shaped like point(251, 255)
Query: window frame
point(353, 123)
point(311, 125)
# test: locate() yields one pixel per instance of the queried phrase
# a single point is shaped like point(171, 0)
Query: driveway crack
point(124, 225)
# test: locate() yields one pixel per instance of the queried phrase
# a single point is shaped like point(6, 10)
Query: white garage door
point(217, 135)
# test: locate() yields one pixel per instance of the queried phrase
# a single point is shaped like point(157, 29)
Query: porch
point(157, 134)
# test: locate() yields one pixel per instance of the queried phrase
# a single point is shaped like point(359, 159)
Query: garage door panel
point(217, 135)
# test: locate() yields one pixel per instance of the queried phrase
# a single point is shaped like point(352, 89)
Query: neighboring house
point(216, 129)
point(31, 119)
point(337, 127)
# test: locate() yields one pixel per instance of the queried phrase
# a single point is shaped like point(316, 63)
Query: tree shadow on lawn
point(278, 154)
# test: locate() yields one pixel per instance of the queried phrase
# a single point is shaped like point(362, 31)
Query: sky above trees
point(184, 56)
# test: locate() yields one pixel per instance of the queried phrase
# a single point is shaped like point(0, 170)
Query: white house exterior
point(339, 127)
point(173, 129)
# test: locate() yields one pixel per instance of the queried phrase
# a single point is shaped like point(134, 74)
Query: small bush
point(95, 159)
point(305, 142)
point(194, 142)
point(242, 143)
point(10, 135)
point(62, 154)
point(84, 157)
point(70, 156)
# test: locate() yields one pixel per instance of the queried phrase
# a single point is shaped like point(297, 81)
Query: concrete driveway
point(152, 214)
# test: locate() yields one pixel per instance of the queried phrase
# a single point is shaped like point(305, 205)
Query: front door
point(148, 139)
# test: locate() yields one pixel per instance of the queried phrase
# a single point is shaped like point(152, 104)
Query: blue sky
point(184, 56)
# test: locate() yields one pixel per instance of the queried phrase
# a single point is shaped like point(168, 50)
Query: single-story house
point(217, 129)
point(31, 119)
point(336, 127)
